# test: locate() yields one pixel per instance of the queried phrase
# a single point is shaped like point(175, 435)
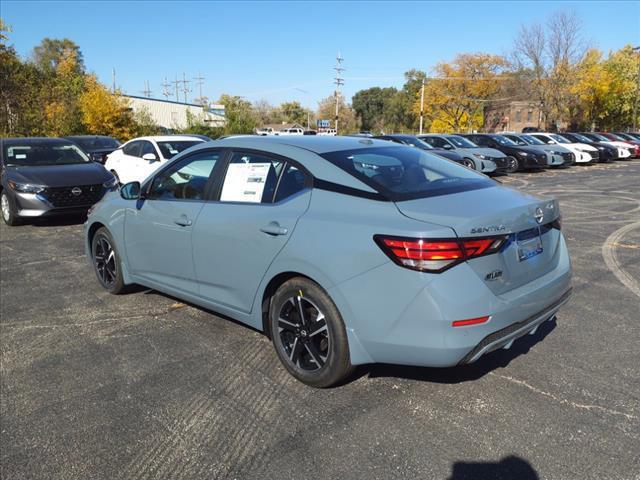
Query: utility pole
point(165, 89)
point(421, 106)
point(113, 78)
point(200, 82)
point(635, 100)
point(147, 91)
point(339, 82)
point(185, 87)
point(176, 84)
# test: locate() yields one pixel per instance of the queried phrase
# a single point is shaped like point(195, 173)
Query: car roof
point(34, 140)
point(314, 143)
point(168, 138)
point(87, 136)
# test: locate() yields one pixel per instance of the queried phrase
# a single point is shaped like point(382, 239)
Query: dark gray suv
point(48, 176)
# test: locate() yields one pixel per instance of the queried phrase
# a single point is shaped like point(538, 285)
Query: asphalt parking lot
point(143, 386)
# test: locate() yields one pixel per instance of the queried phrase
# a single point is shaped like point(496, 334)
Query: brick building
point(511, 116)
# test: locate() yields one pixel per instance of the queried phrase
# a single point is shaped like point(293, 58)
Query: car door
point(260, 200)
point(158, 230)
point(126, 164)
point(144, 168)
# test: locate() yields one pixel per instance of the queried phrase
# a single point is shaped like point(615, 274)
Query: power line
point(176, 84)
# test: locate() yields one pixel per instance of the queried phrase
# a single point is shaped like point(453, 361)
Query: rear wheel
point(308, 334)
point(9, 214)
point(106, 262)
point(467, 162)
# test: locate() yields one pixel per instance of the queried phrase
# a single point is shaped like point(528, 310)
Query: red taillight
point(431, 255)
point(470, 321)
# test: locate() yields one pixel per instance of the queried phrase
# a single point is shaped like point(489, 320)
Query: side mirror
point(447, 146)
point(150, 157)
point(131, 190)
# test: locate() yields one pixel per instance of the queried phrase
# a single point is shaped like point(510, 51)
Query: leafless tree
point(545, 55)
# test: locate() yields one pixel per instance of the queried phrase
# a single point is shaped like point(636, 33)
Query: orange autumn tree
point(105, 113)
point(456, 94)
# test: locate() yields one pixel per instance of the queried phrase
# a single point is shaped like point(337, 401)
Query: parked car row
point(508, 152)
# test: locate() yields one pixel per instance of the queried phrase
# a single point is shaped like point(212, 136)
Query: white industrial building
point(173, 115)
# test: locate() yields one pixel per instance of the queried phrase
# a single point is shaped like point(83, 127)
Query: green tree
point(52, 51)
point(348, 121)
point(373, 108)
point(293, 112)
point(240, 118)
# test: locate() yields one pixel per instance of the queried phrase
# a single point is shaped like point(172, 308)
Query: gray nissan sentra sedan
point(42, 177)
point(343, 250)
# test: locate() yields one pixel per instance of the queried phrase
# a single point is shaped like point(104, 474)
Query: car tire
point(308, 334)
point(106, 262)
point(513, 165)
point(9, 210)
point(467, 162)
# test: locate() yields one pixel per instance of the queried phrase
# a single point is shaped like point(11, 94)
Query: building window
point(529, 116)
point(518, 115)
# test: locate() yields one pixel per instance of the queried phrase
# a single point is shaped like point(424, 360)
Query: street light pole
point(421, 106)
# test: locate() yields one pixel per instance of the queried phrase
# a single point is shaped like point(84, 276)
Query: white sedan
point(584, 153)
point(140, 157)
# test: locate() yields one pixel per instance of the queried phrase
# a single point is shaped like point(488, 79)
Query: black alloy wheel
point(308, 333)
point(106, 262)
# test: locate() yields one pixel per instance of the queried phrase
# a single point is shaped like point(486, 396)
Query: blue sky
point(272, 50)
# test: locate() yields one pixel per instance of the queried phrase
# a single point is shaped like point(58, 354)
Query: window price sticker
point(245, 182)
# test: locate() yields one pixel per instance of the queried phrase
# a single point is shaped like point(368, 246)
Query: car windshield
point(559, 138)
point(518, 140)
point(618, 137)
point(416, 142)
point(601, 138)
point(461, 142)
point(580, 138)
point(95, 143)
point(401, 173)
point(531, 140)
point(171, 148)
point(504, 141)
point(35, 154)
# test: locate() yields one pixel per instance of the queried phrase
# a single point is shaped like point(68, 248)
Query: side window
point(132, 149)
point(438, 142)
point(482, 141)
point(291, 182)
point(147, 147)
point(251, 178)
point(186, 180)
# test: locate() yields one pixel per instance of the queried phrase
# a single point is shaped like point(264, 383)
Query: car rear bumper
point(504, 338)
point(409, 320)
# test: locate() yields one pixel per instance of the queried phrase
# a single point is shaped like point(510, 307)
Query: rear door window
point(251, 178)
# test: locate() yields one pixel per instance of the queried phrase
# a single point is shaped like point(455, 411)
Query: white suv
point(138, 158)
point(291, 131)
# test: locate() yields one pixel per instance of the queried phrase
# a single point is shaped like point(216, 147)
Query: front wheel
point(106, 262)
point(467, 162)
point(9, 214)
point(513, 164)
point(308, 334)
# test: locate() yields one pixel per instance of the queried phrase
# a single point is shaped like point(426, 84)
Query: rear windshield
point(95, 143)
point(559, 138)
point(401, 173)
point(34, 154)
point(171, 148)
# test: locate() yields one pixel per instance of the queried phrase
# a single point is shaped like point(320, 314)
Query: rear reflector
point(437, 255)
point(470, 321)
